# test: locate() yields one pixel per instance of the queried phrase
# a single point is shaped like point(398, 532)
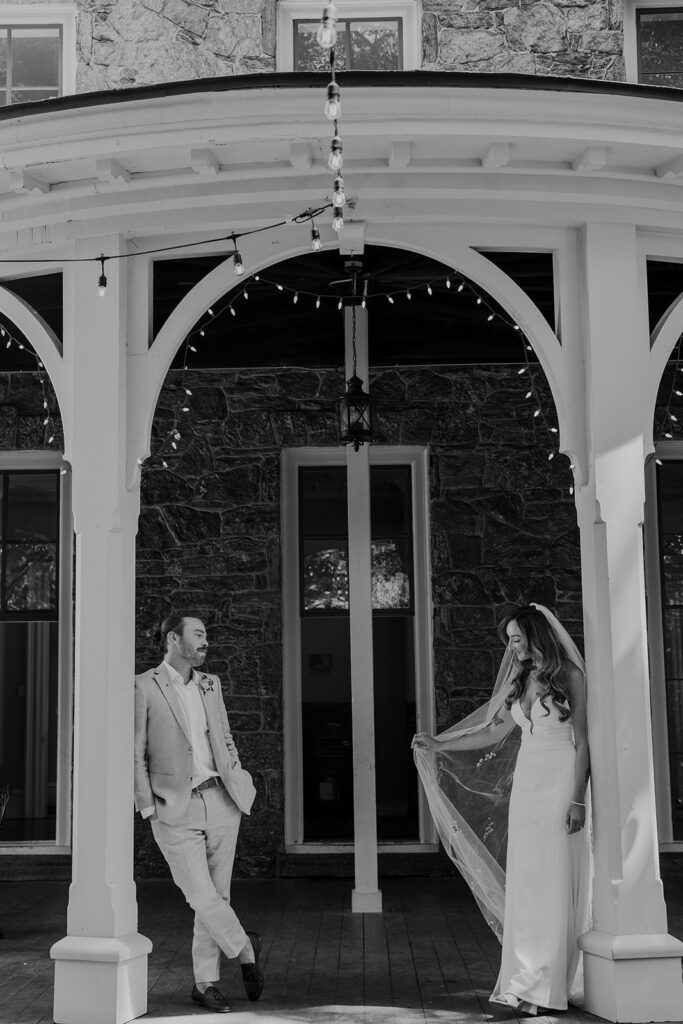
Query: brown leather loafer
point(211, 999)
point(252, 974)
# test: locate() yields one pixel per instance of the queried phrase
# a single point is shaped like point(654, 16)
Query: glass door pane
point(670, 477)
point(326, 656)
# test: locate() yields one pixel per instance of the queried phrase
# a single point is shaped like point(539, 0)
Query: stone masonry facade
point(123, 43)
point(503, 530)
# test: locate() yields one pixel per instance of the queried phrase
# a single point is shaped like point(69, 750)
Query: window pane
point(32, 507)
point(660, 47)
point(30, 577)
point(670, 479)
point(4, 50)
point(326, 575)
point(310, 56)
point(35, 58)
point(375, 45)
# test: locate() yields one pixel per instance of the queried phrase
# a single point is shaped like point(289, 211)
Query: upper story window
point(30, 62)
point(363, 44)
point(37, 51)
point(372, 35)
point(660, 45)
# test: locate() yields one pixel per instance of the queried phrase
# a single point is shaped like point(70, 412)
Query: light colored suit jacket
point(163, 749)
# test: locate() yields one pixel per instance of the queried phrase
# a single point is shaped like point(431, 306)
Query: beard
point(194, 657)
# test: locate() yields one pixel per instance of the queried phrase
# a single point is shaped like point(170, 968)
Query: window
point(377, 35)
point(37, 52)
point(35, 651)
point(30, 63)
point(363, 44)
point(660, 46)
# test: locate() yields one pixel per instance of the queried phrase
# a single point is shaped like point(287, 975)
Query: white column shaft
point(101, 965)
point(632, 967)
point(366, 896)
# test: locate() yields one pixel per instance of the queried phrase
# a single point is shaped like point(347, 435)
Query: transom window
point(30, 62)
point(659, 34)
point(372, 35)
point(29, 545)
point(363, 44)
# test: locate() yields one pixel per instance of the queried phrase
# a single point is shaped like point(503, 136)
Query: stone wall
point(134, 42)
point(503, 531)
point(580, 38)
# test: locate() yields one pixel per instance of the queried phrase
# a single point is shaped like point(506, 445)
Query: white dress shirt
point(203, 764)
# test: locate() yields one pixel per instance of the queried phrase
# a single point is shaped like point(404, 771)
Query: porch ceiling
point(236, 153)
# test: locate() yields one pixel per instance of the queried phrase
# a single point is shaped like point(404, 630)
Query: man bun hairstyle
point(174, 623)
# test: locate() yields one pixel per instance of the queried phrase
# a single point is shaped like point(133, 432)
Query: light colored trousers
point(200, 851)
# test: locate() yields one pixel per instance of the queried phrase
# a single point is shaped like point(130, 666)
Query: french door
point(319, 741)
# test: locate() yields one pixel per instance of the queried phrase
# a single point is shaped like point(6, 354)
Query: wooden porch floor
point(428, 958)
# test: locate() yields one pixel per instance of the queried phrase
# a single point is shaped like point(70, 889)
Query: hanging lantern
point(354, 414)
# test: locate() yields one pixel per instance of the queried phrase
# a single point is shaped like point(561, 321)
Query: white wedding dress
point(547, 884)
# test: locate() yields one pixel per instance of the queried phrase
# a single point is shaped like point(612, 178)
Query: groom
point(184, 751)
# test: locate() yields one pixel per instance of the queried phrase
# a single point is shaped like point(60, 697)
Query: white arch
point(45, 343)
point(664, 337)
point(150, 369)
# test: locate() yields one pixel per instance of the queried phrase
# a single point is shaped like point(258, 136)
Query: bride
point(508, 791)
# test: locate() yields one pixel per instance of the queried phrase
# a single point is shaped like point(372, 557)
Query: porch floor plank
point(429, 958)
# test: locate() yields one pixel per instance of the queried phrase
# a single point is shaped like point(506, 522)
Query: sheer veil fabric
point(468, 791)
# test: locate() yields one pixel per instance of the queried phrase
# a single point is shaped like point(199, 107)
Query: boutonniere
point(206, 684)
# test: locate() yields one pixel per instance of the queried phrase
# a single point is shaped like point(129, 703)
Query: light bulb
point(102, 280)
point(327, 33)
point(338, 219)
point(333, 104)
point(335, 160)
point(316, 244)
point(237, 264)
point(338, 194)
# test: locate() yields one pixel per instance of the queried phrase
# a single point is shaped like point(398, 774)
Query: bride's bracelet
point(577, 802)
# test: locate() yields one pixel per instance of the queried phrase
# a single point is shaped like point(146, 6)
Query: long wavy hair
point(540, 635)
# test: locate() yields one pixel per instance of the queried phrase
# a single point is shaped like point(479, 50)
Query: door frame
point(417, 457)
point(18, 461)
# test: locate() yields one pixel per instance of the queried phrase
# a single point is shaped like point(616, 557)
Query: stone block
point(234, 35)
point(507, 546)
point(160, 486)
point(388, 388)
point(459, 49)
point(8, 427)
point(455, 424)
point(427, 386)
point(191, 17)
point(540, 27)
point(239, 485)
point(188, 525)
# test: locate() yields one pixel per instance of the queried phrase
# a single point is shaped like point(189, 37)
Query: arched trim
point(152, 367)
point(43, 340)
point(664, 337)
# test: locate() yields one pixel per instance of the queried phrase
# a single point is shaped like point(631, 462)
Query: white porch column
point(366, 896)
point(101, 964)
point(632, 966)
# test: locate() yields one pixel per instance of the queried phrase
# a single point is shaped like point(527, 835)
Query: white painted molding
point(352, 238)
point(113, 172)
point(62, 14)
point(300, 156)
point(204, 162)
point(289, 11)
point(593, 158)
point(401, 154)
point(22, 181)
point(497, 155)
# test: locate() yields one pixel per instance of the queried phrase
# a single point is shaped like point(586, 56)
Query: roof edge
point(357, 79)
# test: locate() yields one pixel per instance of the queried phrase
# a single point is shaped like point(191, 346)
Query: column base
point(632, 978)
point(100, 981)
point(366, 902)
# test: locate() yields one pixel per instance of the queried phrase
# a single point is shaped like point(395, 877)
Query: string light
point(237, 264)
point(327, 33)
point(338, 194)
point(316, 244)
point(296, 298)
point(335, 161)
point(102, 280)
point(333, 103)
point(338, 220)
point(390, 298)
